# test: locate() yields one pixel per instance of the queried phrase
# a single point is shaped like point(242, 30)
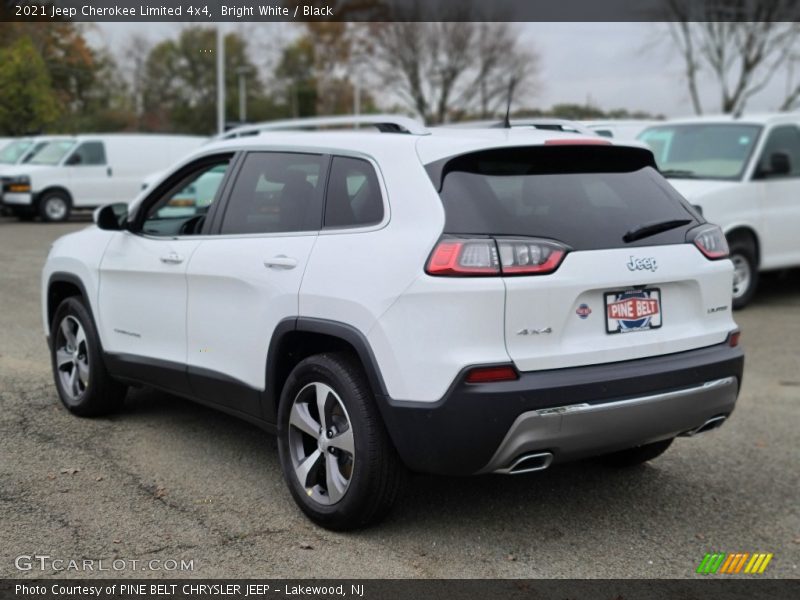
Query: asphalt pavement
point(167, 480)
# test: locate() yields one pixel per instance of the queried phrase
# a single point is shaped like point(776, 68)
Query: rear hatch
point(601, 259)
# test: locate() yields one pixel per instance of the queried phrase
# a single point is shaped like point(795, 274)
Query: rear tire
point(745, 274)
point(638, 455)
point(83, 383)
point(354, 474)
point(54, 207)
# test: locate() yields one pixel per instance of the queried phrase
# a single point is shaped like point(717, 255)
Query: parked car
point(744, 174)
point(452, 304)
point(87, 171)
point(621, 129)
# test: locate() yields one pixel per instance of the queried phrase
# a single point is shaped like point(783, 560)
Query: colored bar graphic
point(730, 564)
point(711, 563)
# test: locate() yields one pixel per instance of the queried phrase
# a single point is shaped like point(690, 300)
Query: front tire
point(54, 207)
point(336, 456)
point(745, 271)
point(83, 383)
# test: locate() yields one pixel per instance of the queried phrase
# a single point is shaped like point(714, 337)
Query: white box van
point(87, 171)
point(744, 175)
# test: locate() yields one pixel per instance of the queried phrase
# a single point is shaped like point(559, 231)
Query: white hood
point(697, 189)
point(16, 170)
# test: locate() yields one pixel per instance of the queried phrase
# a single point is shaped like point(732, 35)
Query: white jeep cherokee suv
point(484, 302)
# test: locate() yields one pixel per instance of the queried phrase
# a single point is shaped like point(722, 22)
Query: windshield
point(52, 153)
point(11, 153)
point(702, 151)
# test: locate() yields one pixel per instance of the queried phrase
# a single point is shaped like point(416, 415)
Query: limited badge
point(583, 311)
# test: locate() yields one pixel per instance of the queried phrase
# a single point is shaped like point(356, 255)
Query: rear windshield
point(586, 197)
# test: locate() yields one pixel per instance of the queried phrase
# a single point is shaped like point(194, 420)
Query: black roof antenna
point(511, 85)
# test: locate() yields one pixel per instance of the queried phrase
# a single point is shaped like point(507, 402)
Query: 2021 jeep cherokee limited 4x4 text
point(457, 303)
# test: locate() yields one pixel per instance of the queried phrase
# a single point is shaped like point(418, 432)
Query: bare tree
point(741, 45)
point(443, 69)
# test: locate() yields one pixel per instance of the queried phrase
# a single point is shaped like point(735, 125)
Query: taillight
point(530, 257)
point(467, 257)
point(464, 257)
point(710, 240)
point(491, 374)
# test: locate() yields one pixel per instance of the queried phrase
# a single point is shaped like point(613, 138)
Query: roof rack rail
point(383, 123)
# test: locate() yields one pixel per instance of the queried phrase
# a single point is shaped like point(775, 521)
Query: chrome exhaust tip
point(527, 463)
point(712, 423)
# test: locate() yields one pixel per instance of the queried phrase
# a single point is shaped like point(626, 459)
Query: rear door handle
point(280, 262)
point(173, 258)
point(109, 171)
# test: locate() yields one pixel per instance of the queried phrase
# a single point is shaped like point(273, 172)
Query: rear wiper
point(679, 173)
point(648, 229)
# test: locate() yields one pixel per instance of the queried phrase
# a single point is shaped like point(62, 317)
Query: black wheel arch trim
point(72, 279)
point(335, 329)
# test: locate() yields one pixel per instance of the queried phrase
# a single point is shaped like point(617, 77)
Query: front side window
point(354, 196)
point(702, 151)
point(88, 154)
point(275, 193)
point(182, 208)
point(784, 140)
point(53, 153)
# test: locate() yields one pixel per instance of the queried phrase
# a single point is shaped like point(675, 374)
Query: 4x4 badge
point(535, 331)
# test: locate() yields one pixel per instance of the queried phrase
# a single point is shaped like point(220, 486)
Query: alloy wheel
point(321, 443)
point(72, 358)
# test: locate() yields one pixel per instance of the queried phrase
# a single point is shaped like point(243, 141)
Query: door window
point(354, 196)
point(275, 193)
point(182, 208)
point(88, 154)
point(784, 139)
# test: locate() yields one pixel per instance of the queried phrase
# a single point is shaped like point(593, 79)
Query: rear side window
point(88, 154)
point(276, 192)
point(586, 197)
point(354, 196)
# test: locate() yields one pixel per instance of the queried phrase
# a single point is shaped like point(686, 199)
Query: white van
point(744, 175)
point(87, 171)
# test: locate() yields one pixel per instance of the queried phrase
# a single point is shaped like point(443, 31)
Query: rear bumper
point(571, 413)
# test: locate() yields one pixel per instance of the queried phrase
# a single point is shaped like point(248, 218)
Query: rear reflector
point(578, 142)
point(489, 374)
point(733, 338)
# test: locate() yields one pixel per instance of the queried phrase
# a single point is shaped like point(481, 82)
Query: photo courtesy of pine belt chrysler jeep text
point(443, 301)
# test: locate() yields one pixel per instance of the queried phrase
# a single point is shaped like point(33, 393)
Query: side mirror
point(779, 164)
point(75, 159)
point(111, 217)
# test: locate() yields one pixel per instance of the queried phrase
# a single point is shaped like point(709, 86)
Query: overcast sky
point(615, 65)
